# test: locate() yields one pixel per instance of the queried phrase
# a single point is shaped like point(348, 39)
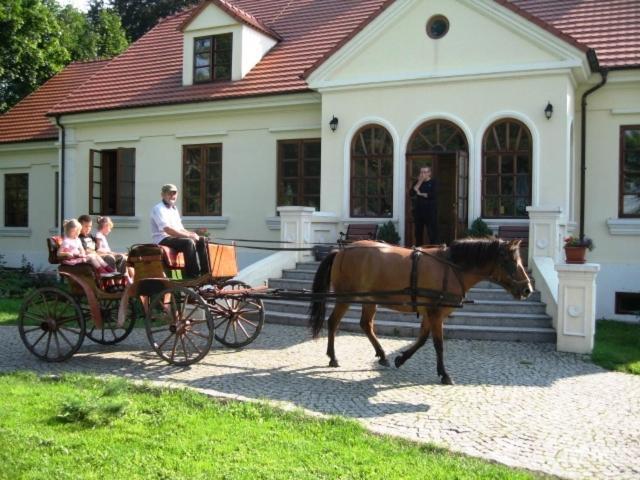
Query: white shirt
point(104, 245)
point(163, 216)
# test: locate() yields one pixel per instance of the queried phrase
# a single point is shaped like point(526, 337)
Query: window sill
point(624, 226)
point(213, 223)
point(15, 232)
point(125, 222)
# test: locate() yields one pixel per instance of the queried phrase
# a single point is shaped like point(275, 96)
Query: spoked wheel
point(111, 333)
point(51, 324)
point(179, 326)
point(237, 319)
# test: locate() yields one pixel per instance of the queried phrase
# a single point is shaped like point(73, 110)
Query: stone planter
point(575, 254)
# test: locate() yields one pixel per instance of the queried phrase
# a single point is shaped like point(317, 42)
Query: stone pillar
point(296, 228)
point(576, 307)
point(545, 233)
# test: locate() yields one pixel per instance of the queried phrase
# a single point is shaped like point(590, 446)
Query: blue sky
point(79, 4)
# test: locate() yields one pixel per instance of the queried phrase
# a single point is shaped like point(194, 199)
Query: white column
point(545, 233)
point(576, 307)
point(296, 229)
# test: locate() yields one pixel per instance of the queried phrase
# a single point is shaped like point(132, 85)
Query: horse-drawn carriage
point(182, 317)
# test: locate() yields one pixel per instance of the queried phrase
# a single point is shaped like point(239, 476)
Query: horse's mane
point(475, 252)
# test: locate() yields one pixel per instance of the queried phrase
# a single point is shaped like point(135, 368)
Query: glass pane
point(312, 201)
point(290, 192)
point(223, 42)
point(289, 150)
point(632, 161)
point(372, 187)
point(522, 185)
point(359, 164)
point(357, 206)
point(192, 165)
point(632, 139)
point(312, 150)
point(202, 59)
point(202, 74)
point(506, 164)
point(290, 168)
point(387, 167)
point(523, 164)
point(202, 44)
point(507, 207)
point(631, 205)
point(418, 144)
point(632, 183)
point(506, 185)
point(358, 187)
point(491, 206)
point(222, 72)
point(525, 140)
point(372, 208)
point(500, 132)
point(521, 206)
point(514, 132)
point(362, 142)
point(491, 185)
point(213, 154)
point(222, 57)
point(311, 168)
point(491, 164)
point(312, 187)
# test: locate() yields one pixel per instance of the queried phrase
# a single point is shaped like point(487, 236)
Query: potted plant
point(575, 248)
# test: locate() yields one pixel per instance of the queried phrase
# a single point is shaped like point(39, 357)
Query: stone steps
point(492, 314)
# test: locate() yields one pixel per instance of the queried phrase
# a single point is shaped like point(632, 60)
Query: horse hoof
point(384, 362)
point(334, 364)
point(398, 361)
point(446, 380)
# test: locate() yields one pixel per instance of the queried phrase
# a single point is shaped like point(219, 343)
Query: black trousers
point(426, 217)
point(195, 254)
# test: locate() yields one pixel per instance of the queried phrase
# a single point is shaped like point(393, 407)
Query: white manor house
point(528, 112)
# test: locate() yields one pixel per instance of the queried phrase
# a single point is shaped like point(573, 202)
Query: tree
point(30, 48)
point(139, 16)
point(77, 35)
point(111, 38)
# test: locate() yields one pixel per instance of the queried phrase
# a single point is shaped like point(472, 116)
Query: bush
point(479, 229)
point(14, 282)
point(388, 233)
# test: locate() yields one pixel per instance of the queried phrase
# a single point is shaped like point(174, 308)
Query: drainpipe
point(583, 142)
point(61, 213)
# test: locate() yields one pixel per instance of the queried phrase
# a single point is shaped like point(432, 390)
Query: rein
point(413, 279)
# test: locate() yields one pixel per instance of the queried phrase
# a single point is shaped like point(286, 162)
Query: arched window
point(372, 173)
point(437, 136)
point(506, 170)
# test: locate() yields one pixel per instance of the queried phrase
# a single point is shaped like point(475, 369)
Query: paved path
point(520, 404)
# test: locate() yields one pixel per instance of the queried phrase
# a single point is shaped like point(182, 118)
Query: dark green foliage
point(479, 229)
point(15, 282)
point(388, 233)
point(139, 16)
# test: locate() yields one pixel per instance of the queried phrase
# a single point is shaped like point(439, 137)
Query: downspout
point(63, 138)
point(583, 142)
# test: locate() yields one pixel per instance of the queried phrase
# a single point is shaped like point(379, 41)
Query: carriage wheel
point(237, 320)
point(51, 324)
point(111, 333)
point(179, 326)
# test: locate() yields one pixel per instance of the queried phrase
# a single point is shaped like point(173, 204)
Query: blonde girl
point(71, 251)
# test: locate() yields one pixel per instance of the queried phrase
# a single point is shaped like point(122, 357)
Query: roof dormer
point(222, 43)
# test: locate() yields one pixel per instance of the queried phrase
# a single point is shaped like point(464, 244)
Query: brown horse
point(369, 272)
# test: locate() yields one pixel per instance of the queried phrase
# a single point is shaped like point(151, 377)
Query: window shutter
point(95, 182)
point(126, 175)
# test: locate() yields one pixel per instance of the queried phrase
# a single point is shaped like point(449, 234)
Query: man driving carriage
point(167, 230)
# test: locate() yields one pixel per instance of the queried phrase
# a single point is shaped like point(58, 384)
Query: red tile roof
point(150, 71)
point(27, 122)
point(610, 27)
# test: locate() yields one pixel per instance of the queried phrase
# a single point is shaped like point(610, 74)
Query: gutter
point(62, 163)
point(583, 141)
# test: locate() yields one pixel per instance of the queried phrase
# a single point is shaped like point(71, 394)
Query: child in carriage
point(71, 251)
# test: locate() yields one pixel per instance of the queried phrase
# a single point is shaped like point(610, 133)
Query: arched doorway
point(441, 145)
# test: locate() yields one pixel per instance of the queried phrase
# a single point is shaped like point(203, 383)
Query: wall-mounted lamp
point(333, 124)
point(548, 111)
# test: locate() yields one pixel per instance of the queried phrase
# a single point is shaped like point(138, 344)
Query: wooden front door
point(450, 170)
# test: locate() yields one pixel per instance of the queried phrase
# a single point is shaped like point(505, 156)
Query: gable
point(483, 37)
point(210, 17)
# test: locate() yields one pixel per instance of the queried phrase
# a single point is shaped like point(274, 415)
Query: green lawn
point(9, 308)
point(83, 427)
point(617, 346)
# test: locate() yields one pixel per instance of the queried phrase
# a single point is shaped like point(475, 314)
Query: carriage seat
point(171, 258)
point(53, 244)
point(359, 231)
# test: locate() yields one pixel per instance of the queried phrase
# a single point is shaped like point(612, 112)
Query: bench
point(517, 232)
point(358, 231)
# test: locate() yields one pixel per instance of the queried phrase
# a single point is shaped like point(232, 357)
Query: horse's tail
point(321, 282)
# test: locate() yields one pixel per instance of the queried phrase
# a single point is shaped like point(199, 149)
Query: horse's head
point(509, 271)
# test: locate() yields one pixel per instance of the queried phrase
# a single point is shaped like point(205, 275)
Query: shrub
point(388, 233)
point(479, 229)
point(14, 282)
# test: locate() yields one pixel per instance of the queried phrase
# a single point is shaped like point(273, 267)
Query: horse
point(428, 281)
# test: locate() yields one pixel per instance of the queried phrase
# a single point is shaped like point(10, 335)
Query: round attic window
point(437, 26)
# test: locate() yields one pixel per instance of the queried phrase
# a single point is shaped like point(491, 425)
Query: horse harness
point(442, 296)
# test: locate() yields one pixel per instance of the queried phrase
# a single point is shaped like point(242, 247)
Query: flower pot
point(575, 254)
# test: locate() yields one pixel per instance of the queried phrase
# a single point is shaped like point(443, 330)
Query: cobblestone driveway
point(520, 404)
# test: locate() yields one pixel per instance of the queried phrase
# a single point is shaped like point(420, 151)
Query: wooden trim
point(204, 157)
point(621, 171)
point(301, 177)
